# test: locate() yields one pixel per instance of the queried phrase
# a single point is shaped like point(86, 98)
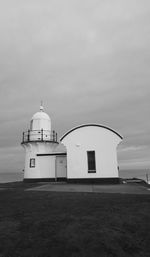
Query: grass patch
point(42, 224)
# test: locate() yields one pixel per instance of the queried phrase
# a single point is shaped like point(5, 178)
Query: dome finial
point(41, 107)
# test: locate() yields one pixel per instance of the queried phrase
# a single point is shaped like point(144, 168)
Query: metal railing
point(39, 136)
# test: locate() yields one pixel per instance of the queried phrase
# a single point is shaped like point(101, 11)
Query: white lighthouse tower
point(39, 140)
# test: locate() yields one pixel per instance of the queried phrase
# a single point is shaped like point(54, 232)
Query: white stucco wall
point(30, 153)
point(44, 165)
point(91, 138)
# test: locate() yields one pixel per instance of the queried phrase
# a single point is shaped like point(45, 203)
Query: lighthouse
point(39, 140)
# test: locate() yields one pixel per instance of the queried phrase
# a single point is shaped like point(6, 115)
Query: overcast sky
point(88, 60)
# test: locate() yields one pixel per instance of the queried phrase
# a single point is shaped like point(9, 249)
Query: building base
point(34, 180)
point(102, 181)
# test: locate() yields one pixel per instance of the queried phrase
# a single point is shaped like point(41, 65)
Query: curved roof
point(40, 116)
point(92, 125)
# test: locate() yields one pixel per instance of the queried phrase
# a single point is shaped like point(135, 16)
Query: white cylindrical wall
point(44, 165)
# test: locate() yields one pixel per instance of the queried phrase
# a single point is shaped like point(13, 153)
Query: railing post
point(23, 137)
point(56, 137)
point(41, 134)
point(53, 135)
point(28, 135)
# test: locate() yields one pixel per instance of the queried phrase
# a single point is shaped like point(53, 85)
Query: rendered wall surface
point(91, 138)
point(44, 165)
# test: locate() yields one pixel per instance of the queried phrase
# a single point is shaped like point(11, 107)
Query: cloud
point(87, 60)
point(132, 148)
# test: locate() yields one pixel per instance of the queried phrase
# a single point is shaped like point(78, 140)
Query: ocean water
point(137, 173)
point(10, 177)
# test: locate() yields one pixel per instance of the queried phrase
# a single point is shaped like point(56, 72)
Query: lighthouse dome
point(40, 116)
point(40, 120)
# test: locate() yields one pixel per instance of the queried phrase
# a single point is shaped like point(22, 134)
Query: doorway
point(61, 168)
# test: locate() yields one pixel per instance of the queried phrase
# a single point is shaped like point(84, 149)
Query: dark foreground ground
point(57, 224)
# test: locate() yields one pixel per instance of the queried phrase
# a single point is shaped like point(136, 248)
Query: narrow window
point(32, 163)
point(91, 162)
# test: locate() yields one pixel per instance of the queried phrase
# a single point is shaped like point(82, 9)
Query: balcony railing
point(39, 136)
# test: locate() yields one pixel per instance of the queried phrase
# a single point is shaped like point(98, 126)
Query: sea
point(135, 173)
point(10, 177)
point(132, 173)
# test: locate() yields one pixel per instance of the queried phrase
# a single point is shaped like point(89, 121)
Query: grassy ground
point(55, 224)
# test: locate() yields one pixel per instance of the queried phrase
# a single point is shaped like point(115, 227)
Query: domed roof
point(40, 120)
point(41, 115)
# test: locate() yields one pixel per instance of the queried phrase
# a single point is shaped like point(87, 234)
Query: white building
point(87, 153)
point(91, 153)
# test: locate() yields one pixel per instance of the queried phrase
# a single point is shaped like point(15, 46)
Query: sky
point(88, 60)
